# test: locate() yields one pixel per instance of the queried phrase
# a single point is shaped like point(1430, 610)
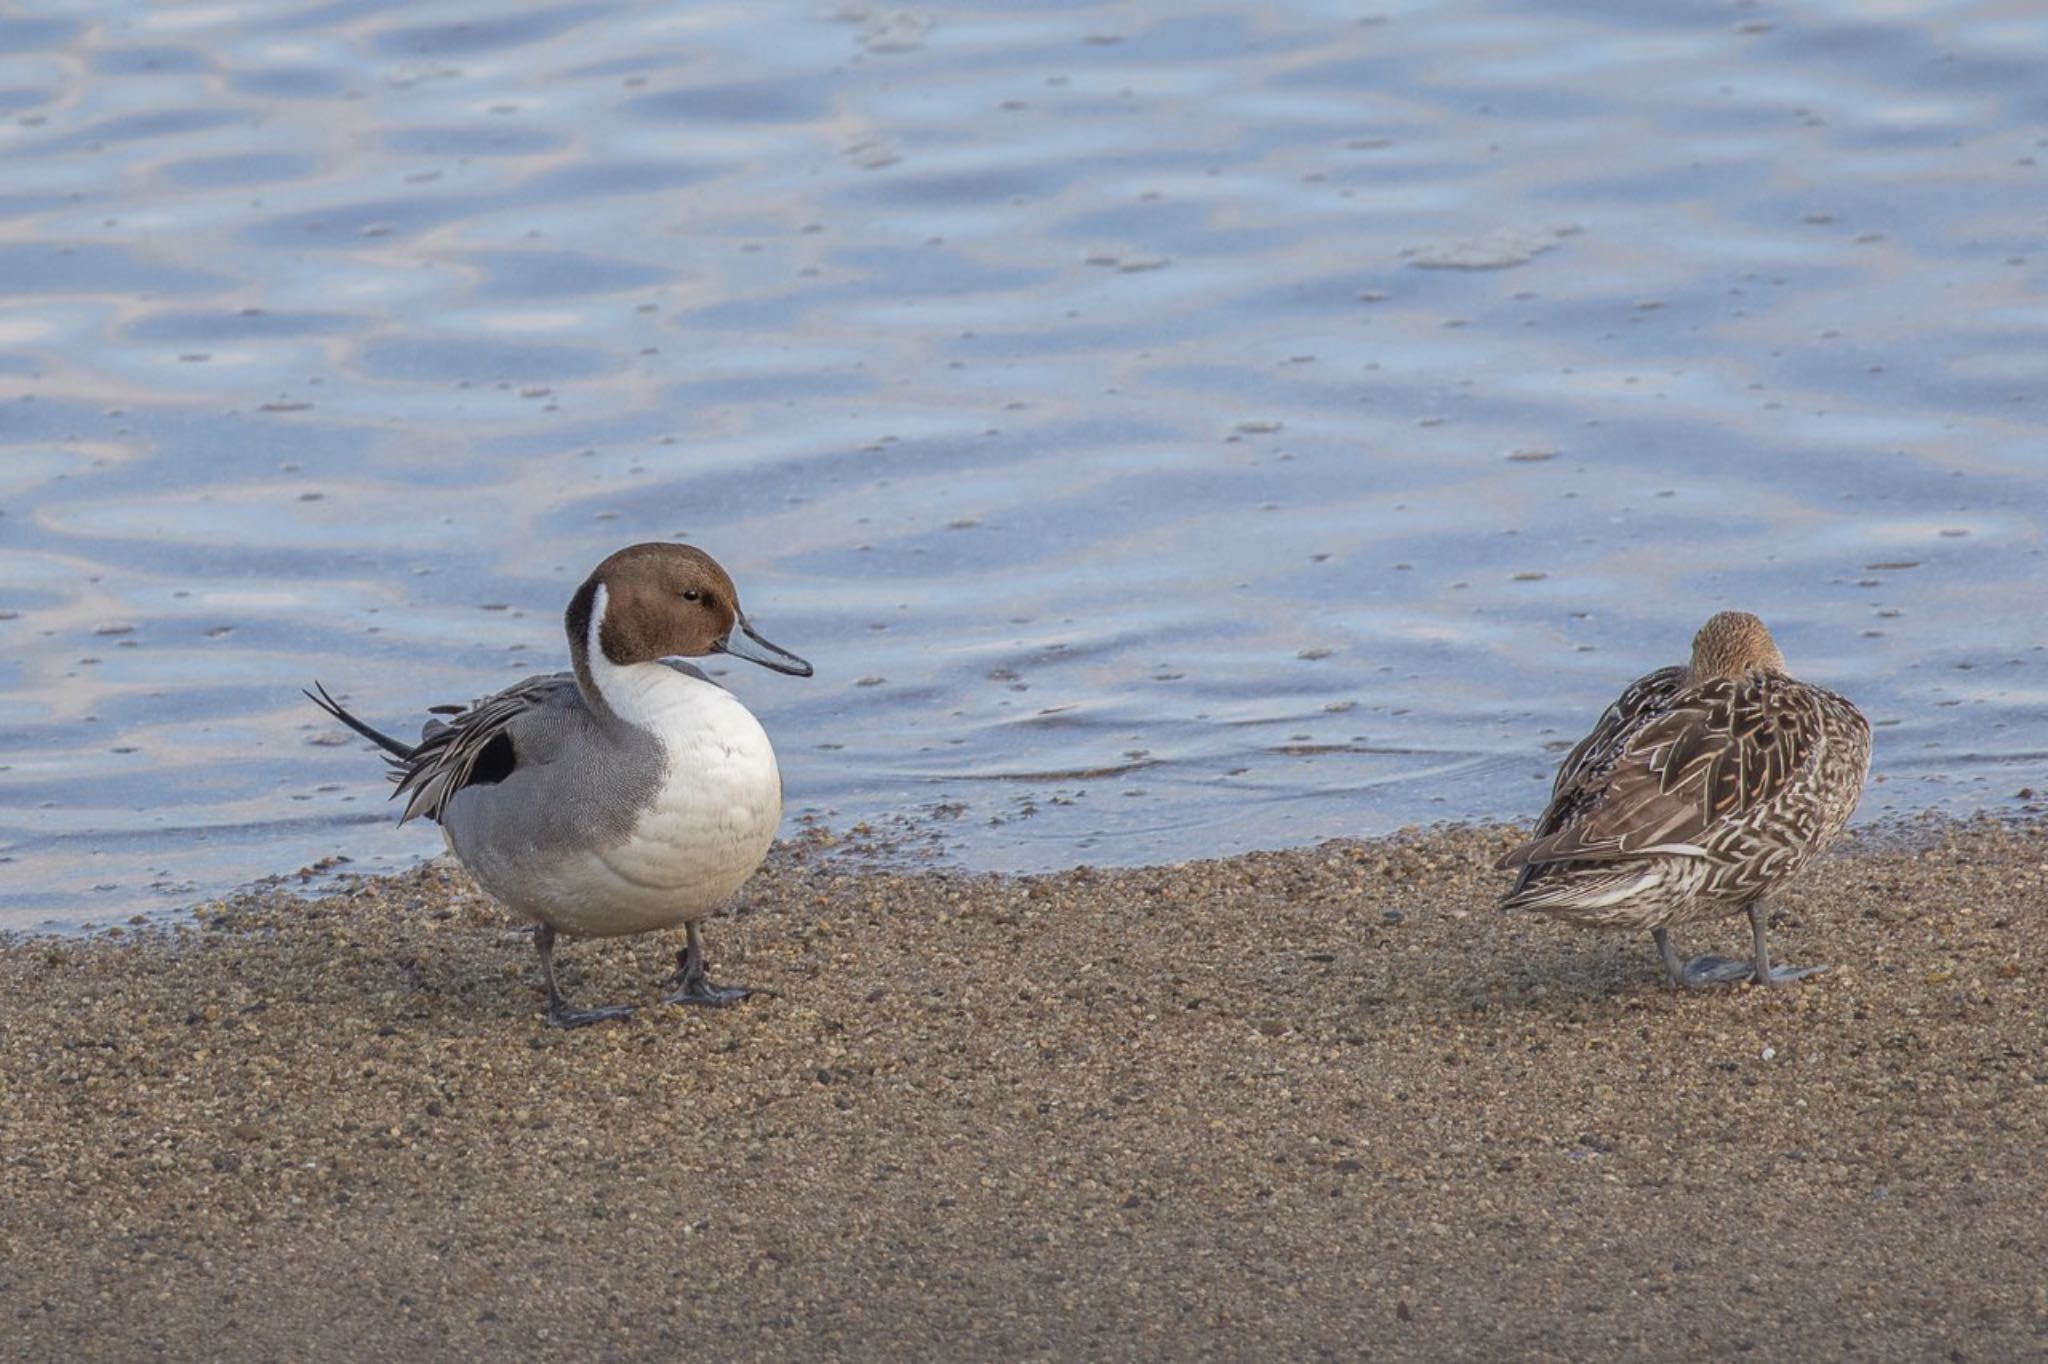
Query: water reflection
point(1169, 430)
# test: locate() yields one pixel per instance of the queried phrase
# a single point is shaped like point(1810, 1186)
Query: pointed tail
point(1590, 892)
point(319, 697)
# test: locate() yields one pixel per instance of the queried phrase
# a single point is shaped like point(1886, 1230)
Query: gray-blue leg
point(1763, 972)
point(1730, 970)
point(1674, 969)
point(561, 1014)
point(697, 986)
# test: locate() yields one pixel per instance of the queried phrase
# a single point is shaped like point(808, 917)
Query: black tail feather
point(319, 697)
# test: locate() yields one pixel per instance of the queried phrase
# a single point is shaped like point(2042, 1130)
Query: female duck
point(1698, 793)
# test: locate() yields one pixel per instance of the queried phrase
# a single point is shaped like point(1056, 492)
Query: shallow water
point(1170, 429)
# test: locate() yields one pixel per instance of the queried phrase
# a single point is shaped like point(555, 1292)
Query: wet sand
point(1315, 1103)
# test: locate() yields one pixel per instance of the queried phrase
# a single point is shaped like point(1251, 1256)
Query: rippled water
point(1170, 428)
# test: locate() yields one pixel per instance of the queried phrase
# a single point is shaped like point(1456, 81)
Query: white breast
point(711, 819)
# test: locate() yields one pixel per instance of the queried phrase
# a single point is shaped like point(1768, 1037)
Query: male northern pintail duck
point(630, 794)
point(1698, 793)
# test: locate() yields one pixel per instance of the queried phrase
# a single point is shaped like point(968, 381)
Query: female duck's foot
point(1763, 973)
point(1734, 970)
point(1730, 970)
point(1716, 971)
point(1785, 975)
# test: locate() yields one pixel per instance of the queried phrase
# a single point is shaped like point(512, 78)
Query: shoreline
point(908, 847)
point(1321, 1100)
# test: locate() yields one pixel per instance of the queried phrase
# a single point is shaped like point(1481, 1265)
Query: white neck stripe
point(592, 649)
point(643, 694)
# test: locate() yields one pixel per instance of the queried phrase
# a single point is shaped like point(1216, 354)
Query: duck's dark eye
point(692, 594)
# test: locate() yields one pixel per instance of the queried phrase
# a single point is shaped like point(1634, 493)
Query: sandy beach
point(1317, 1103)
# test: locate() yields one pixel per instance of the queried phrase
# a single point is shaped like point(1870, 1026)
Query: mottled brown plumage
point(1698, 792)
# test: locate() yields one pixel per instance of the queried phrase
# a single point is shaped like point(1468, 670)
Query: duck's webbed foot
point(1763, 972)
point(1715, 971)
point(1710, 970)
point(696, 985)
point(561, 1013)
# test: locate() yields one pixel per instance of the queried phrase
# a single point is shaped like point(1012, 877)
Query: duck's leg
point(1674, 969)
point(1763, 972)
point(1712, 970)
point(1700, 970)
point(561, 1014)
point(696, 986)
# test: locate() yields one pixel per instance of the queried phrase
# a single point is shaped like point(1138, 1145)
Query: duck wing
point(1582, 777)
point(1684, 771)
point(486, 741)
